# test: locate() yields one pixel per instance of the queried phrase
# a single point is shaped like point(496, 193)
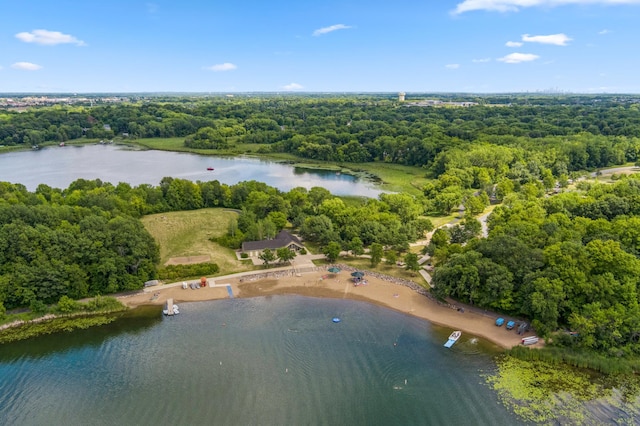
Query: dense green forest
point(560, 252)
point(569, 261)
point(50, 249)
point(579, 134)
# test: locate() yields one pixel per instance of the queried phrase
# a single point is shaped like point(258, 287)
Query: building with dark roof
point(283, 239)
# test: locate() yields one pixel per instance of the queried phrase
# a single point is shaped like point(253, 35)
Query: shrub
point(176, 272)
point(67, 305)
point(101, 303)
point(38, 306)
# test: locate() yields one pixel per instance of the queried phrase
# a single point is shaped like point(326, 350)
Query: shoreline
point(322, 284)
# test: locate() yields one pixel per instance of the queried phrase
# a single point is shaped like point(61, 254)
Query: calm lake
point(276, 360)
point(59, 166)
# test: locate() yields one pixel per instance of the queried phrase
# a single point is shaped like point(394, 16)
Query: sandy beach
point(338, 286)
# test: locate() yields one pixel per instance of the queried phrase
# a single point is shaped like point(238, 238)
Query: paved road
point(624, 169)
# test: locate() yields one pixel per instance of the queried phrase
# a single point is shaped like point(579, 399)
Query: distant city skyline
point(463, 46)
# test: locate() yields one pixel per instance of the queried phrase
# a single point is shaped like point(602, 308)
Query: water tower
point(401, 97)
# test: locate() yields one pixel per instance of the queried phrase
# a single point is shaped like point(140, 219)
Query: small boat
point(175, 311)
point(336, 319)
point(453, 338)
point(170, 308)
point(209, 168)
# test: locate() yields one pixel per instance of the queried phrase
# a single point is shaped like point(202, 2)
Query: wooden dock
point(170, 306)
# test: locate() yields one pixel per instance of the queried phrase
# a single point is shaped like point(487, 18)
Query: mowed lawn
point(187, 233)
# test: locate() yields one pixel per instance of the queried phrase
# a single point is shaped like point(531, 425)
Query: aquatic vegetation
point(70, 315)
point(53, 325)
point(545, 393)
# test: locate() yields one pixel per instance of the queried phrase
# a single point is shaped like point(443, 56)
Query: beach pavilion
point(283, 239)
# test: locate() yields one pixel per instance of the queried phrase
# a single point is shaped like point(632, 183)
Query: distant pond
point(59, 166)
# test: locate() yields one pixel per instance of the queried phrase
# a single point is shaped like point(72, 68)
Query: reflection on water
point(131, 322)
point(59, 166)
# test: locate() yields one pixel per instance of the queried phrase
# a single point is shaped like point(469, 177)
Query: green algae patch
point(544, 393)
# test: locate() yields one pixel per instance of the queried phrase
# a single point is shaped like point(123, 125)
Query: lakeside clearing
point(188, 233)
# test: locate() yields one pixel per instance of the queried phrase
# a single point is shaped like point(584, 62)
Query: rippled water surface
point(272, 360)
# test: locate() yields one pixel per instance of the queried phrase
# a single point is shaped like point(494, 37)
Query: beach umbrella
point(334, 269)
point(357, 274)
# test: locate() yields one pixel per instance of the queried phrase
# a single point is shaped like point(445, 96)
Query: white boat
point(175, 310)
point(453, 337)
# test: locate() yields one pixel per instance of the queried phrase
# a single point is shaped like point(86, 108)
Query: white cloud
point(293, 86)
point(332, 28)
point(556, 39)
point(26, 66)
point(452, 66)
point(48, 38)
point(513, 44)
point(481, 60)
point(516, 5)
point(605, 31)
point(227, 66)
point(516, 58)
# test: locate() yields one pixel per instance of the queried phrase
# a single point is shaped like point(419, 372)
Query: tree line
point(580, 134)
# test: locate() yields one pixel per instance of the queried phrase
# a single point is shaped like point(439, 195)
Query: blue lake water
point(59, 166)
point(276, 360)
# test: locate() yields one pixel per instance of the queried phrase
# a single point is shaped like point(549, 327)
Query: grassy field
point(177, 145)
point(187, 233)
point(394, 177)
point(168, 144)
point(439, 221)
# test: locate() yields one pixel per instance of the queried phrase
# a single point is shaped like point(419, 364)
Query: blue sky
point(484, 46)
